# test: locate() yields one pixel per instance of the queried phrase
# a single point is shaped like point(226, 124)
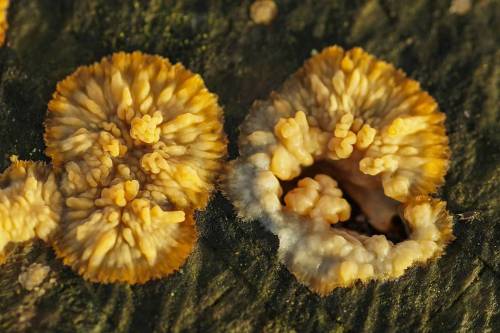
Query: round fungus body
point(346, 129)
point(137, 143)
point(263, 11)
point(30, 203)
point(4, 5)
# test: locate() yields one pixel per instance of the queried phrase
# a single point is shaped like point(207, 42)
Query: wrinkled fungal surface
point(4, 5)
point(375, 136)
point(137, 142)
point(30, 203)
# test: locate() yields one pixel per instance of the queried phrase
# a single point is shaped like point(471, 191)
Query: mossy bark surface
point(233, 281)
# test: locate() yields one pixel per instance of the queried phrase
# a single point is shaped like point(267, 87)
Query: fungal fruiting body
point(263, 11)
point(30, 203)
point(137, 142)
point(4, 5)
point(364, 129)
point(33, 276)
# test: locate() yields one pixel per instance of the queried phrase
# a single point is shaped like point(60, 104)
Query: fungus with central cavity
point(364, 129)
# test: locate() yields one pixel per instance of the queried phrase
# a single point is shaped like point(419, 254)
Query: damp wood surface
point(232, 282)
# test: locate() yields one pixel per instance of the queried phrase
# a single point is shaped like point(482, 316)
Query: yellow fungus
point(4, 6)
point(320, 199)
point(137, 142)
point(30, 203)
point(263, 11)
point(361, 128)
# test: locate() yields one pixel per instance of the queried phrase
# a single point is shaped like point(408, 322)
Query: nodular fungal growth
point(30, 203)
point(135, 143)
point(349, 124)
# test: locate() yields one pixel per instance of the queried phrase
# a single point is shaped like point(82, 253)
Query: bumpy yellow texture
point(320, 199)
point(359, 103)
point(384, 141)
point(138, 142)
point(4, 6)
point(30, 203)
